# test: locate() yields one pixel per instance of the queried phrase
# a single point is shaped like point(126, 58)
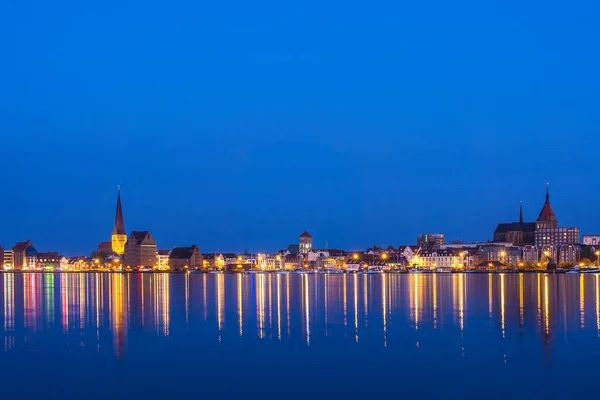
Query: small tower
point(119, 238)
point(305, 243)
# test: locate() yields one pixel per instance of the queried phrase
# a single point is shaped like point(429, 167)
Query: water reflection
point(108, 310)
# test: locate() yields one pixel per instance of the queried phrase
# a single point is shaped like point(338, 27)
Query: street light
point(384, 256)
point(355, 256)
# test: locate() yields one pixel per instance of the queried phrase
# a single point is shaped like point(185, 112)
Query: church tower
point(546, 219)
point(119, 238)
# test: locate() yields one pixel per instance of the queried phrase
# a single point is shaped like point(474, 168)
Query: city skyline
point(119, 235)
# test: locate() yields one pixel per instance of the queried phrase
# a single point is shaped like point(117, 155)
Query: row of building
point(541, 243)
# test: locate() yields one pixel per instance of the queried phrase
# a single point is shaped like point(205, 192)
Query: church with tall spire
point(546, 219)
point(119, 237)
point(519, 233)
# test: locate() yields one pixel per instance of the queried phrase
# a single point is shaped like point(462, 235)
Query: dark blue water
point(240, 336)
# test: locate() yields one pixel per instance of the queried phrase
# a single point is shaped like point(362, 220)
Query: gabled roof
point(183, 253)
point(22, 246)
point(139, 236)
point(163, 252)
point(305, 234)
point(294, 249)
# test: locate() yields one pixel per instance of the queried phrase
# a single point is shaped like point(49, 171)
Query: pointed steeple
point(119, 228)
point(521, 213)
point(546, 219)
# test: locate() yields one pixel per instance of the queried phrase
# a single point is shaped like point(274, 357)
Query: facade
point(435, 239)
point(556, 236)
point(119, 237)
point(305, 243)
point(183, 258)
point(518, 233)
point(162, 259)
point(104, 250)
point(591, 240)
point(7, 260)
point(569, 254)
point(531, 254)
point(24, 256)
point(140, 250)
point(50, 260)
point(445, 259)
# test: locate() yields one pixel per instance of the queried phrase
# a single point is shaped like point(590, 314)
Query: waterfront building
point(2, 256)
point(140, 250)
point(531, 254)
point(591, 240)
point(434, 240)
point(49, 261)
point(119, 237)
point(518, 233)
point(24, 256)
point(556, 236)
point(182, 258)
point(305, 243)
point(7, 260)
point(162, 259)
point(445, 259)
point(548, 233)
point(569, 254)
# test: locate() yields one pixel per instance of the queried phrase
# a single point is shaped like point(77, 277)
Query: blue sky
point(237, 125)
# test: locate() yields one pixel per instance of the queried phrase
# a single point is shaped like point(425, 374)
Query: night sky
point(237, 124)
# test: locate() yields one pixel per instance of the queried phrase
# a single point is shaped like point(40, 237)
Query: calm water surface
point(240, 336)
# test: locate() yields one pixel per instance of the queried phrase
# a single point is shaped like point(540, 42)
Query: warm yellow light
point(355, 256)
point(278, 258)
point(462, 254)
point(240, 258)
point(384, 256)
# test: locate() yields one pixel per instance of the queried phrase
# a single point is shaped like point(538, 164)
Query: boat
point(215, 272)
point(374, 271)
point(590, 271)
point(572, 271)
point(443, 270)
point(415, 271)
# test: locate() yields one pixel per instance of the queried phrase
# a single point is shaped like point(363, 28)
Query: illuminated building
point(140, 250)
point(48, 261)
point(119, 238)
point(24, 256)
point(162, 259)
point(182, 258)
point(305, 243)
point(433, 239)
point(548, 233)
point(591, 240)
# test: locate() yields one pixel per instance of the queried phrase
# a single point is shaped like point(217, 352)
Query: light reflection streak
point(240, 308)
point(220, 303)
point(64, 302)
point(356, 308)
point(490, 299)
point(435, 301)
point(581, 301)
point(187, 298)
point(502, 304)
point(521, 300)
point(546, 308)
point(278, 306)
point(539, 299)
point(49, 299)
point(598, 303)
point(366, 300)
point(461, 303)
point(287, 289)
point(9, 311)
point(384, 307)
point(307, 308)
point(345, 301)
